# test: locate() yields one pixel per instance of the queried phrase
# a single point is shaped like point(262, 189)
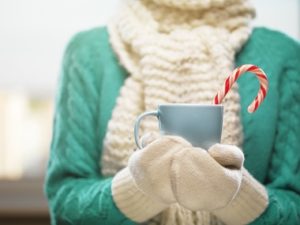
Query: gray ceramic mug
point(201, 125)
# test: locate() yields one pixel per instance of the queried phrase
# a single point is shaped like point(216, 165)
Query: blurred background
point(33, 36)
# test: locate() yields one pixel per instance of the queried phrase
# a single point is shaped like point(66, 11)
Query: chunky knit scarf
point(176, 51)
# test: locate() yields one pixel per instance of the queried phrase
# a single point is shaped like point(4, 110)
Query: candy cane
point(263, 80)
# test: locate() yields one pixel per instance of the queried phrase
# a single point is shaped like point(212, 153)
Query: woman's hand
point(206, 180)
point(143, 188)
point(151, 167)
point(169, 170)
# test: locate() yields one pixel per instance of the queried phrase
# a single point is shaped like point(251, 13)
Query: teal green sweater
point(90, 82)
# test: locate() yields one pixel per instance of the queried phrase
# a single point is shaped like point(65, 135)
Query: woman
point(158, 51)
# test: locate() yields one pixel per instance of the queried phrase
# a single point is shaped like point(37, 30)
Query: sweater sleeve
point(283, 184)
point(76, 190)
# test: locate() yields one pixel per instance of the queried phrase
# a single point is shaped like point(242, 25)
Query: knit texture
point(134, 203)
point(172, 61)
point(90, 83)
point(201, 180)
point(251, 201)
point(196, 5)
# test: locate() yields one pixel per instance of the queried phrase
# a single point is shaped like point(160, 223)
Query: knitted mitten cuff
point(249, 203)
point(132, 202)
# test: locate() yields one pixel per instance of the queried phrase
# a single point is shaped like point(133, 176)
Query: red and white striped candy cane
point(263, 80)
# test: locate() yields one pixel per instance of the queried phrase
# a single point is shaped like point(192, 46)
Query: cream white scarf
point(175, 52)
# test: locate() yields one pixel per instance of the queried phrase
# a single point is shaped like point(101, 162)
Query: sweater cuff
point(249, 203)
point(131, 201)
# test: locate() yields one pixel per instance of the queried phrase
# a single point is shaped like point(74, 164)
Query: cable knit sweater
point(90, 83)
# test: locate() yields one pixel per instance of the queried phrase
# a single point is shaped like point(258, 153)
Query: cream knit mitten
point(170, 170)
point(201, 182)
point(252, 197)
point(216, 181)
point(249, 203)
point(143, 189)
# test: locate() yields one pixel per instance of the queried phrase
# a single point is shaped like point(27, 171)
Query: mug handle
point(137, 126)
